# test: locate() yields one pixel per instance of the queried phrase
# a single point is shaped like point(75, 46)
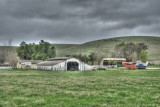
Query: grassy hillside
point(121, 88)
point(109, 44)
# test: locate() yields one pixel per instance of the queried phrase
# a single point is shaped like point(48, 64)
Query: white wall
point(5, 67)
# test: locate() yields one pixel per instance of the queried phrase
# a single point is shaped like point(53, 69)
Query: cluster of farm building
point(71, 64)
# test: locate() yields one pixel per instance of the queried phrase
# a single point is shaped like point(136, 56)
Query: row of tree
point(90, 59)
point(45, 50)
point(131, 51)
point(42, 51)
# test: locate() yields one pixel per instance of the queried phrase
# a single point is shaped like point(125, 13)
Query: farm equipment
point(129, 65)
point(138, 65)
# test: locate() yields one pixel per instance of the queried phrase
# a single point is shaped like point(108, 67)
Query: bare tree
point(8, 54)
point(101, 53)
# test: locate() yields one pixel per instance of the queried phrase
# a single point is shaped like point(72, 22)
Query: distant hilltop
point(109, 44)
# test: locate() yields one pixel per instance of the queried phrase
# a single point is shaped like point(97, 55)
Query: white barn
point(64, 64)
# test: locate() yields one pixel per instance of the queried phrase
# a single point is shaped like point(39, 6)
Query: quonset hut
point(64, 64)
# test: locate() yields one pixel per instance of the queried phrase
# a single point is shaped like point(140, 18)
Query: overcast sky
point(77, 21)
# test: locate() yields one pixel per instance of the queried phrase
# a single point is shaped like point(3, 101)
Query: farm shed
point(31, 64)
point(106, 61)
point(64, 64)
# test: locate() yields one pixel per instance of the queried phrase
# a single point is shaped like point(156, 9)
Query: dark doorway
point(72, 66)
point(105, 63)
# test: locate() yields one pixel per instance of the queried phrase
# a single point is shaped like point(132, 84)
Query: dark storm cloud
point(77, 21)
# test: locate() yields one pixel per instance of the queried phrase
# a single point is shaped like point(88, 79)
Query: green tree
point(21, 50)
point(144, 56)
point(81, 57)
point(92, 57)
point(130, 51)
point(41, 51)
point(140, 47)
point(40, 56)
point(119, 50)
point(112, 62)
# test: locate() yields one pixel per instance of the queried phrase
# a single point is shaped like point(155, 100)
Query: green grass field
point(113, 88)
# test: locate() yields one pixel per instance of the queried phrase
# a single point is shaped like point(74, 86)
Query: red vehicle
point(129, 65)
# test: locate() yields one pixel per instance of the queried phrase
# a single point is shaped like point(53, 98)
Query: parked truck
point(137, 65)
point(141, 65)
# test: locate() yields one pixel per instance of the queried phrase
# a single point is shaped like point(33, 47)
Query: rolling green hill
point(109, 44)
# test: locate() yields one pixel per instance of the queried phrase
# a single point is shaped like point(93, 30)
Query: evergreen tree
point(42, 51)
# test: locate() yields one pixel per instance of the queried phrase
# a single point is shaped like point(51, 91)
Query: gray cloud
point(77, 21)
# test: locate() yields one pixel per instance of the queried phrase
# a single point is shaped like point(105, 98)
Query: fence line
point(5, 67)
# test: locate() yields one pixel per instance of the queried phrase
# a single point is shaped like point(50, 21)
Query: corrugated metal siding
point(63, 66)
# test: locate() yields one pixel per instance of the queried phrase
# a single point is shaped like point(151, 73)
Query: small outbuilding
point(28, 64)
point(117, 61)
point(64, 64)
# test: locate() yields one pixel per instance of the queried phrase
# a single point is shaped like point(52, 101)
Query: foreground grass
point(80, 88)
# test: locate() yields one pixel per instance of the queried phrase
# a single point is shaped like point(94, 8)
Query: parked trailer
point(129, 65)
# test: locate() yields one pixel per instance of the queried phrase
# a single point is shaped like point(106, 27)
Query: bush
point(112, 62)
point(144, 56)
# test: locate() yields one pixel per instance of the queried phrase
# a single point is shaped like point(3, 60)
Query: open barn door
point(72, 66)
